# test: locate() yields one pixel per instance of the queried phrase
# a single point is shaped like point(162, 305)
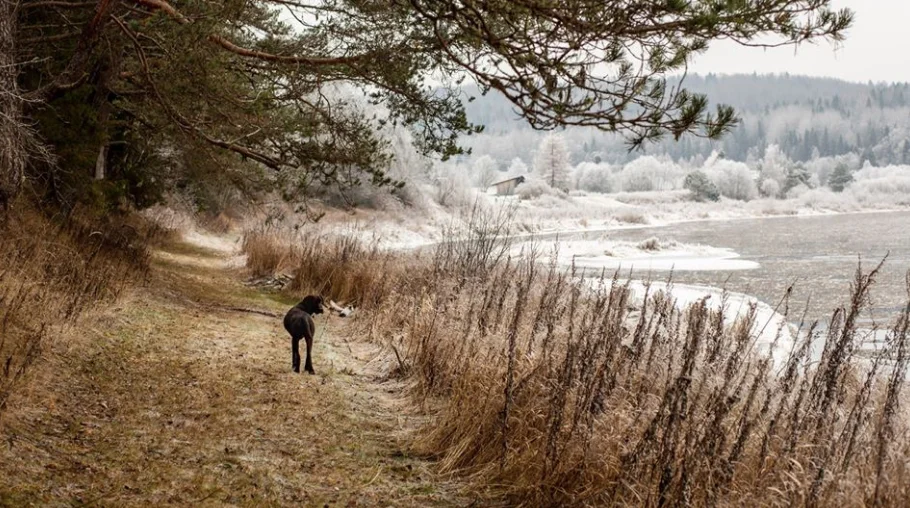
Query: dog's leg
point(309, 347)
point(295, 354)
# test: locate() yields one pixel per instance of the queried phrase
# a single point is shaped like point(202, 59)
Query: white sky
point(875, 49)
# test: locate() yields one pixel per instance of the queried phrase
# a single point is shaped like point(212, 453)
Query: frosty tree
point(552, 162)
point(733, 179)
point(484, 171)
point(517, 167)
point(594, 177)
point(796, 175)
point(775, 166)
point(649, 173)
point(840, 178)
point(701, 187)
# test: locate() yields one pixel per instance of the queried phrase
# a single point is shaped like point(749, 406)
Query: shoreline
point(660, 223)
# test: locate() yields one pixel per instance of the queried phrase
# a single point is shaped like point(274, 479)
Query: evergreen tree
point(796, 175)
point(701, 187)
point(840, 178)
point(552, 162)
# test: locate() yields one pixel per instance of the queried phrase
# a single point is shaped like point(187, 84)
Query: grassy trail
point(171, 397)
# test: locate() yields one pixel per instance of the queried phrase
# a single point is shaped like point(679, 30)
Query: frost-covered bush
point(701, 187)
point(358, 196)
point(887, 186)
point(770, 188)
point(594, 177)
point(894, 174)
point(555, 201)
point(651, 244)
point(534, 188)
point(797, 191)
point(649, 173)
point(450, 185)
point(484, 171)
point(412, 194)
point(631, 217)
point(733, 179)
point(654, 244)
point(826, 199)
point(517, 168)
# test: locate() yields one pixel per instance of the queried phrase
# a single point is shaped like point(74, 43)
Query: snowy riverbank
point(653, 254)
point(592, 212)
point(397, 227)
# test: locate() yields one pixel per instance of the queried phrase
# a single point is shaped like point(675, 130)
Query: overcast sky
point(873, 49)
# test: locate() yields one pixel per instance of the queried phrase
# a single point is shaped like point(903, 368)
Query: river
point(817, 255)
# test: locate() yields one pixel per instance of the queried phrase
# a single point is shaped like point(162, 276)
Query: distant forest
point(807, 117)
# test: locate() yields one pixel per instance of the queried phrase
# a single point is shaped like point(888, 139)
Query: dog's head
point(311, 304)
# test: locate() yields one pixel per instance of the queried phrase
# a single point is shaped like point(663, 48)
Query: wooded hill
point(805, 116)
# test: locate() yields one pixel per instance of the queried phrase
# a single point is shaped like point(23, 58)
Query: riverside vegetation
point(550, 391)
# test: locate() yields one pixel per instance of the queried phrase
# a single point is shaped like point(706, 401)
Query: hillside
point(806, 116)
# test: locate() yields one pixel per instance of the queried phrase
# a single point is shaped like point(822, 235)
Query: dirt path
point(172, 398)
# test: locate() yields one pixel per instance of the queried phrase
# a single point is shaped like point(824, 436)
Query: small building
point(507, 187)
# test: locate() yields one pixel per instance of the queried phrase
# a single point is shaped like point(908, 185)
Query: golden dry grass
point(338, 267)
point(169, 397)
point(55, 267)
point(547, 391)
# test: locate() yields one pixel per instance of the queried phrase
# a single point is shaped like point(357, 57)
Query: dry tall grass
point(558, 391)
point(54, 268)
point(338, 267)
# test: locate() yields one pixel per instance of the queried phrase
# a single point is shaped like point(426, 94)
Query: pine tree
point(840, 178)
point(702, 188)
point(796, 175)
point(552, 162)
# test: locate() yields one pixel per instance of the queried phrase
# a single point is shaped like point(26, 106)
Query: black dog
point(299, 323)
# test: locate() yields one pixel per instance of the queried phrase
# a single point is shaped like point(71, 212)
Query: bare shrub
point(632, 217)
point(652, 243)
point(220, 223)
point(476, 241)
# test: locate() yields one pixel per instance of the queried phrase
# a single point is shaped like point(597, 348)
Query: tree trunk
point(101, 161)
point(104, 115)
point(12, 146)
